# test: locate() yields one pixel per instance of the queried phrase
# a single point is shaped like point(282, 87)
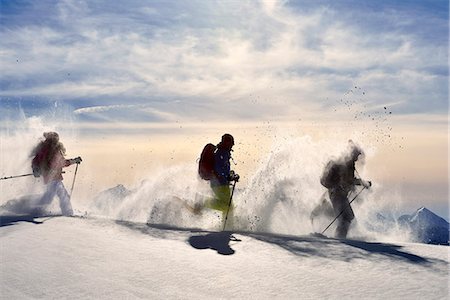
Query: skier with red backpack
point(48, 161)
point(214, 165)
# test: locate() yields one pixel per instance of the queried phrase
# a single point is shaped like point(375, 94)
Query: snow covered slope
point(78, 258)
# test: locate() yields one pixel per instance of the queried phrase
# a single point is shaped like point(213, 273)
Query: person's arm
point(76, 160)
point(359, 181)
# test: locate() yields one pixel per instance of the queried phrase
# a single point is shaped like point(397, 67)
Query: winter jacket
point(221, 167)
point(54, 170)
point(50, 166)
point(340, 177)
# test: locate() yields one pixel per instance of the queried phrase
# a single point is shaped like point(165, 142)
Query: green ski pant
point(221, 200)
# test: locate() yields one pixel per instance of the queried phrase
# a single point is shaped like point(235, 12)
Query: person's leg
point(50, 192)
point(230, 218)
point(324, 208)
point(346, 219)
point(341, 206)
point(64, 199)
point(223, 195)
point(221, 198)
point(220, 202)
point(342, 228)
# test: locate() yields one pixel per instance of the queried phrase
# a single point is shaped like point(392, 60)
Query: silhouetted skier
point(339, 178)
point(48, 161)
point(215, 166)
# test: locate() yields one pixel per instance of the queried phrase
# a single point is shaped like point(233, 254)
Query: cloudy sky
point(131, 65)
point(161, 61)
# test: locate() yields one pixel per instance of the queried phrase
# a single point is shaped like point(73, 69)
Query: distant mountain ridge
point(108, 200)
point(426, 227)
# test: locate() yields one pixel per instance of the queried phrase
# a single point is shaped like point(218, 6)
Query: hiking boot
point(198, 207)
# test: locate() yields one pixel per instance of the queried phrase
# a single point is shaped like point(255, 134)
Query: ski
point(234, 239)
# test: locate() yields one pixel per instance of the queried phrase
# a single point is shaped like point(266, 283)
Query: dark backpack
point(36, 164)
point(330, 176)
point(40, 162)
point(206, 163)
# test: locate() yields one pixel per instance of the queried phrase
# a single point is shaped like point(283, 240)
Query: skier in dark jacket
point(49, 161)
point(223, 175)
point(339, 178)
point(222, 156)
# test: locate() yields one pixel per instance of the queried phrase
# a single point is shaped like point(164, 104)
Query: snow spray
point(286, 188)
point(18, 137)
point(278, 198)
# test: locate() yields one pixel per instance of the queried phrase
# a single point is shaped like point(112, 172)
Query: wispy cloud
point(122, 112)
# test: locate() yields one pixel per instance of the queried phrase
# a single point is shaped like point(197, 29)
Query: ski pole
point(17, 176)
point(9, 177)
point(73, 182)
point(343, 210)
point(229, 204)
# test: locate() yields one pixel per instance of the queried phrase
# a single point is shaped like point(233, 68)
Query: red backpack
point(206, 163)
point(40, 162)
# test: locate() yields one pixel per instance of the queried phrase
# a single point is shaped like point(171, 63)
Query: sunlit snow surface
point(81, 258)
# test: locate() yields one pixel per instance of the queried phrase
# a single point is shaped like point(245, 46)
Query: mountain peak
point(425, 216)
point(427, 227)
point(423, 209)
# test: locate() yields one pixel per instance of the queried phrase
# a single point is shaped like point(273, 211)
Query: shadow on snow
point(9, 220)
point(305, 246)
point(327, 247)
point(218, 241)
point(331, 248)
